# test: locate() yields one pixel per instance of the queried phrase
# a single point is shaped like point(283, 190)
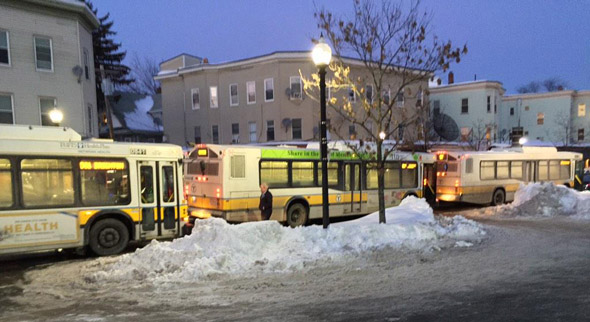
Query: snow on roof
point(216, 247)
point(140, 119)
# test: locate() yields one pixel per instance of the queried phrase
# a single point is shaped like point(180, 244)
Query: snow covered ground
point(216, 247)
point(416, 267)
point(542, 200)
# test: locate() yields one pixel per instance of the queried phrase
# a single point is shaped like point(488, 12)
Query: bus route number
point(137, 151)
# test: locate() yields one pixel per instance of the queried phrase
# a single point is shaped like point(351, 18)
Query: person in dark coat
point(265, 205)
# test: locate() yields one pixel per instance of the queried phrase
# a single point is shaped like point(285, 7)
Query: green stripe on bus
point(307, 154)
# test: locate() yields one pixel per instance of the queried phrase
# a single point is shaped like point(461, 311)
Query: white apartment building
point(46, 62)
point(561, 118)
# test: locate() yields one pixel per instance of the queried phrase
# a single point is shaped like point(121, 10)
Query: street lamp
point(56, 116)
point(321, 55)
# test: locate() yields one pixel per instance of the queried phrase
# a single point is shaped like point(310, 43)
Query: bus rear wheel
point(108, 237)
point(498, 198)
point(296, 215)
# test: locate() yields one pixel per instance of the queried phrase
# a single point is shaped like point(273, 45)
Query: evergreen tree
point(107, 53)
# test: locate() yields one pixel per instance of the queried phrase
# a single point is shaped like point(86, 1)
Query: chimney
point(560, 88)
point(438, 81)
point(205, 60)
point(474, 77)
point(451, 78)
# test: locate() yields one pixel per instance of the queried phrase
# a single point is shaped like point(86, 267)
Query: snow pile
point(216, 247)
point(140, 119)
point(546, 200)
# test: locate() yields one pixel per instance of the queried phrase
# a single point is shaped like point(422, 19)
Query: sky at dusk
point(513, 42)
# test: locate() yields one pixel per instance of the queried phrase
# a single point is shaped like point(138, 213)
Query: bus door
point(352, 183)
point(530, 170)
point(429, 183)
point(157, 200)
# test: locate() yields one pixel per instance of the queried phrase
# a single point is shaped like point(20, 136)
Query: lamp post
point(322, 54)
point(56, 116)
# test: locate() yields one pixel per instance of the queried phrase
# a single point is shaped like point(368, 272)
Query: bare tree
point(398, 54)
point(554, 84)
point(143, 70)
point(480, 136)
point(532, 87)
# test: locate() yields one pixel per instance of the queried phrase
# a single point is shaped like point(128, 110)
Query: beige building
point(257, 99)
point(46, 61)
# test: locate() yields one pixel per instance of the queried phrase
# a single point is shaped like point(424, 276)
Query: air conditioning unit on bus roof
point(36, 132)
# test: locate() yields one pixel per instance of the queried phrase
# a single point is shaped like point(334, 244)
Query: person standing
point(265, 205)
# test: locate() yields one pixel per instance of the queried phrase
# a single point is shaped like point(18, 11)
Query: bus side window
point(469, 165)
point(6, 197)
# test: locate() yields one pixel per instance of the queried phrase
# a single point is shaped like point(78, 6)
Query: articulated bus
point(223, 181)
point(492, 177)
point(59, 191)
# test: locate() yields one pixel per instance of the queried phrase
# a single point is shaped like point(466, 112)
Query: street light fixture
point(56, 116)
point(321, 55)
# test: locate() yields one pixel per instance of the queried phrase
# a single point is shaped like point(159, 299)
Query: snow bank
point(545, 200)
point(216, 247)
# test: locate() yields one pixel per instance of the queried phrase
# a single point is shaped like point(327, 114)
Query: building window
point(386, 96)
point(512, 111)
point(464, 106)
point(420, 98)
point(252, 129)
point(489, 105)
point(581, 110)
point(197, 134)
point(540, 118)
point(215, 134)
point(369, 93)
point(351, 95)
point(235, 133)
point(296, 129)
point(251, 92)
point(465, 133)
point(270, 130)
point(213, 102)
point(4, 48)
point(495, 108)
point(196, 99)
point(400, 132)
point(269, 90)
point(580, 134)
point(233, 95)
point(400, 99)
point(526, 108)
point(46, 104)
point(6, 115)
point(90, 118)
point(43, 54)
point(352, 132)
point(296, 88)
point(86, 69)
point(436, 107)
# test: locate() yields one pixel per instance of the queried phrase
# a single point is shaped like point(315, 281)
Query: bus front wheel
point(108, 237)
point(498, 198)
point(296, 215)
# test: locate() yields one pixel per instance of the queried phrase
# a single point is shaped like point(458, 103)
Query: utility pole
point(107, 91)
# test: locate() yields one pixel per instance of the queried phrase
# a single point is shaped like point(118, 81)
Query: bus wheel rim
point(109, 237)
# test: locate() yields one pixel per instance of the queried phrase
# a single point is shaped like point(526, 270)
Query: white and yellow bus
point(59, 191)
point(223, 181)
point(492, 177)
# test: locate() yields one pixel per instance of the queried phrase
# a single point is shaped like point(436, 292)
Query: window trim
point(11, 106)
point(211, 96)
point(9, 64)
point(193, 91)
point(273, 89)
point(41, 111)
point(50, 51)
point(291, 96)
point(237, 103)
point(248, 102)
